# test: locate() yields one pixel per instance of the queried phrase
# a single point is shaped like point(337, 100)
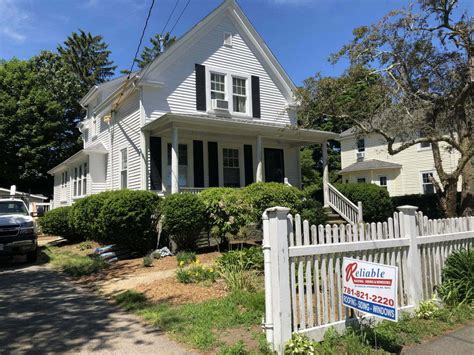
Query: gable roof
point(231, 8)
point(371, 164)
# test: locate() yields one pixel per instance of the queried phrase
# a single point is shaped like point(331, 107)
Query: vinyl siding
point(178, 94)
point(414, 161)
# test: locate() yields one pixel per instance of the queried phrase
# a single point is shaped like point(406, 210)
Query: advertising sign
point(370, 288)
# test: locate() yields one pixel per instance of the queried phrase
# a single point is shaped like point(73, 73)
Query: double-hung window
point(84, 179)
point(75, 181)
point(231, 167)
point(361, 145)
point(427, 184)
point(123, 168)
point(217, 86)
point(239, 94)
point(383, 181)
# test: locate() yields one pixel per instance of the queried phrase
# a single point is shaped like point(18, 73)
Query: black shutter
point(155, 164)
point(198, 162)
point(248, 164)
point(200, 87)
point(213, 164)
point(256, 96)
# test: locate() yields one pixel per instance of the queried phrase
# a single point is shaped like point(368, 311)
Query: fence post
point(414, 282)
point(360, 216)
point(277, 277)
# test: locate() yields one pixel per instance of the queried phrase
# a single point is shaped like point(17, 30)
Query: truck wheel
point(32, 256)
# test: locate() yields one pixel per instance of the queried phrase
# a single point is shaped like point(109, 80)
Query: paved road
point(42, 312)
point(458, 342)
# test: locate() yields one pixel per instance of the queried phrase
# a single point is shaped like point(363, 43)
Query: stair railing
point(343, 206)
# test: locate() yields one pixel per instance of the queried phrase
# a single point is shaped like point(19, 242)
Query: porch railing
point(343, 206)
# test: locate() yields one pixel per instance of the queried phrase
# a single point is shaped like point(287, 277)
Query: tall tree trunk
point(467, 194)
point(448, 199)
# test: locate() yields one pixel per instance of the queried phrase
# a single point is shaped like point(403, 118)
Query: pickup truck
point(18, 234)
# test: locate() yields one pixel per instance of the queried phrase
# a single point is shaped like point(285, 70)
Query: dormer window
point(217, 86)
point(239, 92)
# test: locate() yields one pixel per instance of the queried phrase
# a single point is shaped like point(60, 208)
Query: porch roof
point(248, 127)
point(371, 164)
point(94, 148)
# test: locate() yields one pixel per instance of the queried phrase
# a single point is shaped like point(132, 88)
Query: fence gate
point(303, 275)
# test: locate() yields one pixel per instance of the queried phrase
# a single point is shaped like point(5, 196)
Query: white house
point(215, 109)
point(365, 158)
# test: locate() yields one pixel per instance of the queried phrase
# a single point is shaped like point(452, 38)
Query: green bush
point(312, 211)
point(85, 212)
point(184, 219)
point(57, 222)
point(458, 278)
point(247, 259)
point(428, 204)
point(129, 218)
point(262, 195)
point(226, 210)
point(376, 203)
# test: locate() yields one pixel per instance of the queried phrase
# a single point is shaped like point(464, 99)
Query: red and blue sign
point(370, 288)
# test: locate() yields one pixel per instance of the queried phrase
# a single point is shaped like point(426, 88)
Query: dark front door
point(274, 165)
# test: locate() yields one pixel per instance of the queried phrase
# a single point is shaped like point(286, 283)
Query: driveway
point(42, 312)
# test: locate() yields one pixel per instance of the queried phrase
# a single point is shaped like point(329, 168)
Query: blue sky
point(301, 33)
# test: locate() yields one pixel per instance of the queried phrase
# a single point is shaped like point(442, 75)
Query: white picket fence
point(303, 275)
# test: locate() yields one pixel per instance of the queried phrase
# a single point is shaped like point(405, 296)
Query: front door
point(274, 165)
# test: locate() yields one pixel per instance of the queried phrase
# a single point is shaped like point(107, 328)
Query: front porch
point(190, 153)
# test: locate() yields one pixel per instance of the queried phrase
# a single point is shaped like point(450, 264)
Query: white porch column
point(174, 161)
point(324, 147)
point(144, 147)
point(259, 172)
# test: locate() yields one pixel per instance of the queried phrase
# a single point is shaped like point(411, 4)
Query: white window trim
point(80, 178)
point(229, 91)
point(220, 154)
point(422, 191)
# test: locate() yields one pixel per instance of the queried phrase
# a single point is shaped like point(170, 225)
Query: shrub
point(85, 212)
point(458, 278)
point(185, 258)
point(428, 204)
point(247, 259)
point(376, 203)
point(312, 211)
point(226, 210)
point(427, 309)
point(196, 273)
point(300, 344)
point(148, 261)
point(57, 222)
point(129, 218)
point(263, 195)
point(184, 219)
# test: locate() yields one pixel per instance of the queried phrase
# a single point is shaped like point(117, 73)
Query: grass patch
point(74, 264)
point(198, 325)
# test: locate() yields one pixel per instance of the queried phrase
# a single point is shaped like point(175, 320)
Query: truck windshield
point(12, 207)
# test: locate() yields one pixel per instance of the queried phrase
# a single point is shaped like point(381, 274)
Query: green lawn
point(72, 263)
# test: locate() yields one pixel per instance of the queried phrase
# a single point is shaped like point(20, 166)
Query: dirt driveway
point(42, 312)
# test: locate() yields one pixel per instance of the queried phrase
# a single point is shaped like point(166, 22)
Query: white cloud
point(13, 20)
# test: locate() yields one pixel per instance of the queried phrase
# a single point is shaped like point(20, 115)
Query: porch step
point(333, 217)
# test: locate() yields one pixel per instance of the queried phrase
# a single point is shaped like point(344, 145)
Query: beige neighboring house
point(365, 158)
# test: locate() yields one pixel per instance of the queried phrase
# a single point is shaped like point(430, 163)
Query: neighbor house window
point(182, 165)
point(239, 91)
point(123, 168)
point(217, 86)
point(231, 167)
point(361, 145)
point(64, 177)
point(428, 187)
point(383, 181)
point(361, 180)
point(423, 145)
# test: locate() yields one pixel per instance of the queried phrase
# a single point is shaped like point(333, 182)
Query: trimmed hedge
point(58, 222)
point(184, 219)
point(85, 212)
point(376, 202)
point(129, 218)
point(428, 204)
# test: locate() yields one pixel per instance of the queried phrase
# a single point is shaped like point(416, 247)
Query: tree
point(422, 54)
point(38, 115)
point(149, 54)
point(331, 104)
point(87, 57)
